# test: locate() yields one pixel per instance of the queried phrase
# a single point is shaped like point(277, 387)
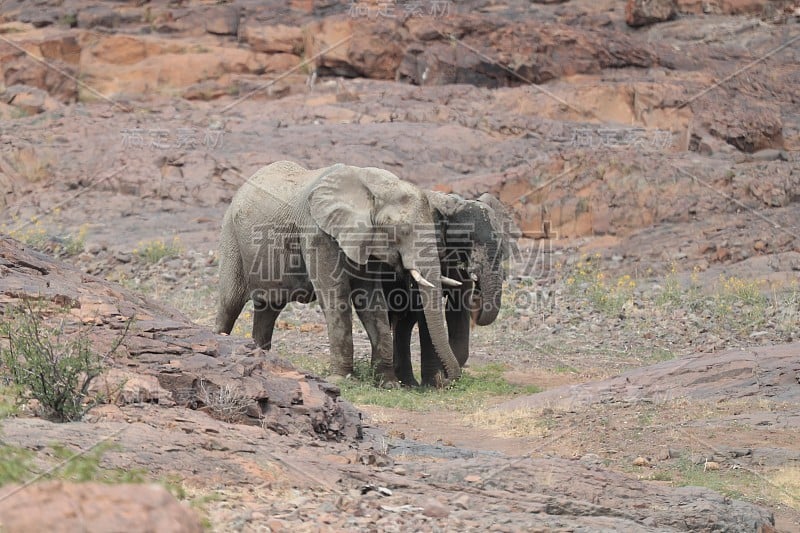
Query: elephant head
point(372, 214)
point(477, 237)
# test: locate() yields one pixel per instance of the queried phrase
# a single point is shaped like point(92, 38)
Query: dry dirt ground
point(655, 299)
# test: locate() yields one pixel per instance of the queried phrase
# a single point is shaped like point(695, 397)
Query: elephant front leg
point(335, 303)
point(433, 374)
point(402, 350)
point(458, 329)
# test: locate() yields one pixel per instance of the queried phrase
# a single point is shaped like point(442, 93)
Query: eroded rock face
point(491, 53)
point(180, 363)
point(61, 506)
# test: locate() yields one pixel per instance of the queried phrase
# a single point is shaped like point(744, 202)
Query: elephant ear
point(446, 204)
point(341, 205)
point(503, 223)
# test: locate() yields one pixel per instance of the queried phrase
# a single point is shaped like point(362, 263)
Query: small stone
point(433, 508)
point(275, 525)
point(641, 461)
point(94, 248)
point(769, 154)
point(123, 257)
point(472, 478)
point(400, 470)
point(462, 502)
point(336, 459)
point(591, 458)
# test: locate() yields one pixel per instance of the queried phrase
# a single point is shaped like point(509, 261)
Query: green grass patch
point(477, 386)
point(565, 369)
point(19, 465)
point(735, 483)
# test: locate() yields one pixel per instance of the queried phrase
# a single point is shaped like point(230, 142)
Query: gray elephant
point(475, 238)
point(292, 234)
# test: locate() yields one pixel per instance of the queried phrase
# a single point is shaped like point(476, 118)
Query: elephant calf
point(293, 234)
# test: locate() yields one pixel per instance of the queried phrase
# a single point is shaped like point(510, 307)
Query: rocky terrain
point(648, 151)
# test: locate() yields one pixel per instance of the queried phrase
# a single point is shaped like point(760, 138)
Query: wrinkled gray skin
point(292, 234)
point(474, 239)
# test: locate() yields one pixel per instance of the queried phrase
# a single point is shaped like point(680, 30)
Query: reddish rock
point(222, 20)
point(272, 39)
point(374, 49)
point(644, 12)
point(133, 65)
point(30, 99)
point(57, 76)
point(61, 506)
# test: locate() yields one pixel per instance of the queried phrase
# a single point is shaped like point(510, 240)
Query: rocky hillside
point(308, 464)
point(659, 138)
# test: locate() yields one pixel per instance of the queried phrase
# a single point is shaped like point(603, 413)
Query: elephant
point(475, 237)
point(295, 235)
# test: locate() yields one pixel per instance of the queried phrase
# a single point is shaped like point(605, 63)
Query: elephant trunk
point(490, 297)
point(423, 258)
point(433, 309)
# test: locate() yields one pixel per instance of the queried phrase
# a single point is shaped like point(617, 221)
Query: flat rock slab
point(770, 372)
point(60, 506)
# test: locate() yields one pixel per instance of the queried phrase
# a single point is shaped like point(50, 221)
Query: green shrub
point(48, 364)
point(154, 251)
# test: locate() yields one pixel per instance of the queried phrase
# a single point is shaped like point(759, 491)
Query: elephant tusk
point(419, 279)
point(450, 282)
point(473, 276)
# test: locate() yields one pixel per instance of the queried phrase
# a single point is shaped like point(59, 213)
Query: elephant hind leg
point(264, 317)
point(232, 290)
